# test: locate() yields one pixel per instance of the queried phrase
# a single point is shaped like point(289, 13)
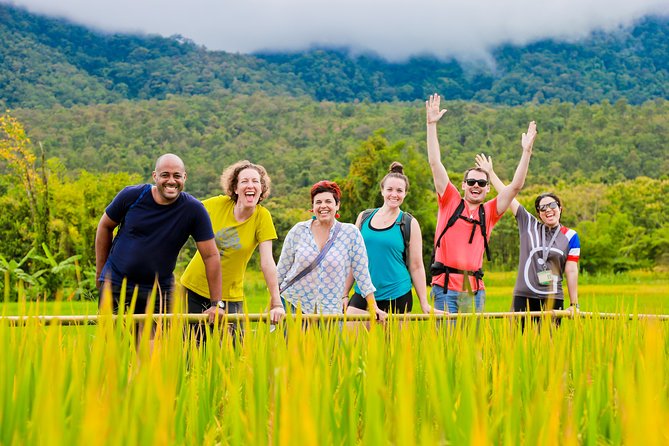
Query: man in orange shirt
point(464, 223)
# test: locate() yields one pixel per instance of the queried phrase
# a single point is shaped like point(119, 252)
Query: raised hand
point(484, 163)
point(434, 114)
point(528, 138)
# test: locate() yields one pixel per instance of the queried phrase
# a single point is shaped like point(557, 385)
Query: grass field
point(591, 381)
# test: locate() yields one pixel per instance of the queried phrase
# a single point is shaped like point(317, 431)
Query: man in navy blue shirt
point(156, 221)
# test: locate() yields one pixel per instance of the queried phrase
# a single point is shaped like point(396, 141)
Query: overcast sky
point(394, 29)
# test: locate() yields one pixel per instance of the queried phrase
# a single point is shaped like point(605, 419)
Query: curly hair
point(230, 176)
point(396, 170)
point(326, 186)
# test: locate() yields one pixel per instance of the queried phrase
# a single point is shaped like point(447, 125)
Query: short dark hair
point(544, 195)
point(326, 186)
point(477, 169)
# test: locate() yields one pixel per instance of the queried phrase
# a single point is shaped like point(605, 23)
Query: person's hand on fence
point(381, 315)
point(427, 309)
point(213, 312)
point(276, 314)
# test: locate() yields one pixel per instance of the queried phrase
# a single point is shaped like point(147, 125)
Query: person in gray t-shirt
point(549, 251)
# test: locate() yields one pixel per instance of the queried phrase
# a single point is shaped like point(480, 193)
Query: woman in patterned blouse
point(320, 291)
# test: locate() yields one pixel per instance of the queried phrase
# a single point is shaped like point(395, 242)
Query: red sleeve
point(451, 193)
point(491, 214)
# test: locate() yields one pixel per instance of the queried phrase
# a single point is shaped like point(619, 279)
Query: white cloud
point(395, 29)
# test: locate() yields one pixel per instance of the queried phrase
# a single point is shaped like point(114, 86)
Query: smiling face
point(170, 177)
point(325, 207)
point(549, 216)
point(476, 193)
point(393, 192)
point(248, 188)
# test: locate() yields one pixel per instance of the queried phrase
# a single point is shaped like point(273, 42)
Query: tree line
point(51, 203)
point(302, 141)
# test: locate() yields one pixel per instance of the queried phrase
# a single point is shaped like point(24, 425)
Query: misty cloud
point(395, 29)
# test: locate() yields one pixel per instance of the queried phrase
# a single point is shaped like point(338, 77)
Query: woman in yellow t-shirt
point(240, 224)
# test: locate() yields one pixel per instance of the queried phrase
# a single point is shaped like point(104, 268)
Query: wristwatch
point(220, 304)
point(575, 305)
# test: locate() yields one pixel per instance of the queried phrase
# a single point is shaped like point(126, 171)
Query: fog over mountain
point(394, 29)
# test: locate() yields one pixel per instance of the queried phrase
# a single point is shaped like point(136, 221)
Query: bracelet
point(575, 305)
point(276, 306)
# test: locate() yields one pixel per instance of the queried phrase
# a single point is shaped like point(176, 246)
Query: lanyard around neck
point(545, 248)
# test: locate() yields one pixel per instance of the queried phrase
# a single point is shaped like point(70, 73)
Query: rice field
point(590, 381)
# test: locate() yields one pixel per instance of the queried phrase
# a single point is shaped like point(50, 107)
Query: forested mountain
point(46, 62)
point(303, 141)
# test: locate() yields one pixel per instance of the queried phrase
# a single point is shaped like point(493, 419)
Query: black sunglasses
point(551, 205)
point(482, 183)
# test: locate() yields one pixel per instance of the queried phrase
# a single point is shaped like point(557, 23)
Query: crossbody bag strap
point(316, 261)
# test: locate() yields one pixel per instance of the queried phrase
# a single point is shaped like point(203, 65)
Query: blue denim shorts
point(458, 301)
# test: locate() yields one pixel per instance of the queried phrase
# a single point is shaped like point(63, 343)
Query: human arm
point(347, 290)
point(349, 279)
point(360, 270)
point(486, 164)
point(103, 242)
point(571, 274)
point(287, 257)
point(268, 267)
point(434, 114)
point(507, 194)
point(417, 268)
point(373, 308)
point(212, 267)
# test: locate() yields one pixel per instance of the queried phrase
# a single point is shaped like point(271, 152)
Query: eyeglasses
point(551, 205)
point(470, 182)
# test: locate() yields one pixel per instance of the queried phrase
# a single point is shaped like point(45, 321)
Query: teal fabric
point(385, 247)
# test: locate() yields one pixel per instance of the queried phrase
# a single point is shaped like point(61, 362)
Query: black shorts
point(402, 304)
point(163, 303)
point(522, 304)
point(536, 304)
point(199, 304)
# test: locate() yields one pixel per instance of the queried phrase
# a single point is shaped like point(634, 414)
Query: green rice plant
point(476, 381)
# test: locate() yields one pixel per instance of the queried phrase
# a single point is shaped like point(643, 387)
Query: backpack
point(480, 223)
point(405, 229)
point(437, 268)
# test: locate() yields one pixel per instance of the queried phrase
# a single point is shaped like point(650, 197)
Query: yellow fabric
point(236, 243)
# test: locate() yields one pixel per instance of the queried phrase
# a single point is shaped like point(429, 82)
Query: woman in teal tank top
point(391, 274)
